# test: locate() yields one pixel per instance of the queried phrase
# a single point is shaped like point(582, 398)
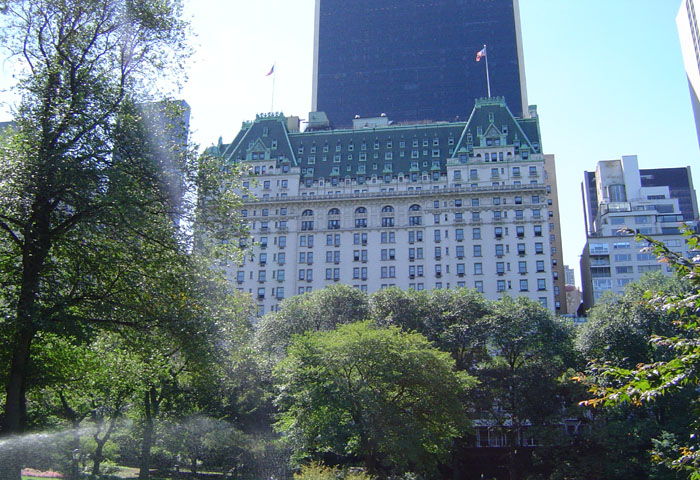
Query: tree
point(454, 320)
point(618, 327)
point(88, 220)
point(314, 311)
point(381, 395)
point(83, 63)
point(672, 369)
point(521, 390)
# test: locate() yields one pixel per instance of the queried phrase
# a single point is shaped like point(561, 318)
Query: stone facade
point(439, 205)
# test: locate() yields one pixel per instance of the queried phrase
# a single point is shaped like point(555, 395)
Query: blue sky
point(607, 78)
point(606, 75)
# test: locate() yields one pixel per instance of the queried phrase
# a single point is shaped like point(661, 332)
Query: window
point(477, 250)
point(478, 269)
point(540, 265)
point(475, 216)
point(539, 248)
point(388, 237)
point(438, 253)
point(522, 267)
point(538, 230)
point(437, 236)
point(498, 232)
point(476, 233)
point(459, 251)
point(521, 249)
point(520, 231)
point(359, 239)
point(240, 276)
point(459, 234)
point(541, 284)
point(523, 286)
point(501, 286)
point(533, 169)
point(307, 225)
point(500, 268)
point(499, 249)
point(518, 214)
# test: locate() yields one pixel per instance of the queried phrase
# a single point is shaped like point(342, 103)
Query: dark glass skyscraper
point(415, 59)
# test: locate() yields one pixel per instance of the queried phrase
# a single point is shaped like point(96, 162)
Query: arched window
point(388, 216)
point(414, 218)
point(360, 210)
point(307, 213)
point(334, 211)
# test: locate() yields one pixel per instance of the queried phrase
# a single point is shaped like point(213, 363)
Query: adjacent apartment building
point(619, 195)
point(689, 36)
point(434, 205)
point(415, 61)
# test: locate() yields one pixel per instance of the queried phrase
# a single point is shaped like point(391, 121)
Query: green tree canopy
point(672, 368)
point(379, 395)
point(453, 319)
point(314, 311)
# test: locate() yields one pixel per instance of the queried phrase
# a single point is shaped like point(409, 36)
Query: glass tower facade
point(415, 60)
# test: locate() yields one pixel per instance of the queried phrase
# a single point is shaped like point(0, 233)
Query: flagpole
point(488, 82)
point(274, 74)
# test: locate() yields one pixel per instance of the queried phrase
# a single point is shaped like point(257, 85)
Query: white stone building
point(438, 205)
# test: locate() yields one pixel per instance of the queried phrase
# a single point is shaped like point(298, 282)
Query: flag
point(481, 53)
point(272, 70)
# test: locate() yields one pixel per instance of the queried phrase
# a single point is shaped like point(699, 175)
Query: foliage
point(523, 392)
point(314, 311)
point(454, 320)
point(672, 368)
point(318, 471)
point(618, 327)
point(96, 196)
point(381, 395)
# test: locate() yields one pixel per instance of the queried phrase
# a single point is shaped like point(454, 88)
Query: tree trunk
point(16, 405)
point(151, 411)
point(97, 457)
point(513, 453)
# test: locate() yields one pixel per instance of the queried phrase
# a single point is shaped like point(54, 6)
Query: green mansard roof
point(388, 150)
